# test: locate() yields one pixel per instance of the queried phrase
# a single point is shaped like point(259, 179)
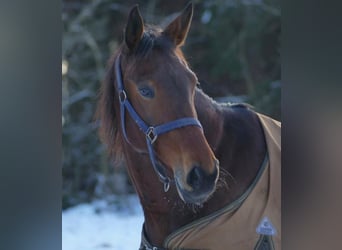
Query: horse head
point(160, 88)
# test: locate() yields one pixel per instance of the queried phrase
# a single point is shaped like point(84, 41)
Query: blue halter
point(151, 132)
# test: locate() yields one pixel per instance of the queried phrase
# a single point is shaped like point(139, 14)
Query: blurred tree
point(233, 46)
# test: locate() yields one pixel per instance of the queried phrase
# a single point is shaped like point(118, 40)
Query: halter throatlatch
point(151, 132)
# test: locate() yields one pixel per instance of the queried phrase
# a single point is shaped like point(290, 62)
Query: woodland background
point(233, 47)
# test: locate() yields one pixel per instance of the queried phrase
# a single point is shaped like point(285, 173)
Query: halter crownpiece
point(151, 132)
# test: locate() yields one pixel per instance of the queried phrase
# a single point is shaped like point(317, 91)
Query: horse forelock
point(146, 43)
point(152, 39)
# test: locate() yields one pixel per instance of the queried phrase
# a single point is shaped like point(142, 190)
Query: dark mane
point(106, 113)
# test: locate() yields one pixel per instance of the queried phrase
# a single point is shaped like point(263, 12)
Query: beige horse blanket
point(251, 222)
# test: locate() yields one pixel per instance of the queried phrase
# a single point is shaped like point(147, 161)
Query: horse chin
point(189, 197)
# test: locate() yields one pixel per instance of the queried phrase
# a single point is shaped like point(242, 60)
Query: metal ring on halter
point(148, 248)
point(122, 96)
point(151, 136)
point(167, 185)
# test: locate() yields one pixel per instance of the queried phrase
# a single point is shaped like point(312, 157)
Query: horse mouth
point(188, 194)
point(191, 197)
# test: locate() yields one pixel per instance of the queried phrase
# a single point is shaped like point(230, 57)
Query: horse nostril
point(199, 180)
point(195, 178)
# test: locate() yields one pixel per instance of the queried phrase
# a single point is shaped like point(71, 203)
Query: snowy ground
point(103, 225)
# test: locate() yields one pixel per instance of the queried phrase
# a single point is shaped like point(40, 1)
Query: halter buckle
point(151, 136)
point(122, 96)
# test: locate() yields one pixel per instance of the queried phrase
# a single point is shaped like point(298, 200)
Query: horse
point(191, 160)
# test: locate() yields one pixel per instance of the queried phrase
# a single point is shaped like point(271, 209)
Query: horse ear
point(134, 28)
point(178, 29)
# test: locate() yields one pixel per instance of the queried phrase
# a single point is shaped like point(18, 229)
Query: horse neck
point(210, 115)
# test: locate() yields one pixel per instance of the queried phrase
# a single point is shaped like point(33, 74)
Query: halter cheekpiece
point(151, 132)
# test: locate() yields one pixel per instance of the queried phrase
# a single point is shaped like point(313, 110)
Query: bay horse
point(190, 159)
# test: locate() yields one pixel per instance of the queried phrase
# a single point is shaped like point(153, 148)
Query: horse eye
point(146, 92)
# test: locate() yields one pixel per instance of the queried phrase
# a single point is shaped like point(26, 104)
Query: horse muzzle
point(198, 184)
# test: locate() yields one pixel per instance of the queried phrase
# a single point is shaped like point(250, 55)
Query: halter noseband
point(151, 132)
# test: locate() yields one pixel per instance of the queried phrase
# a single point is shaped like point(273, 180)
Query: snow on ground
point(103, 225)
